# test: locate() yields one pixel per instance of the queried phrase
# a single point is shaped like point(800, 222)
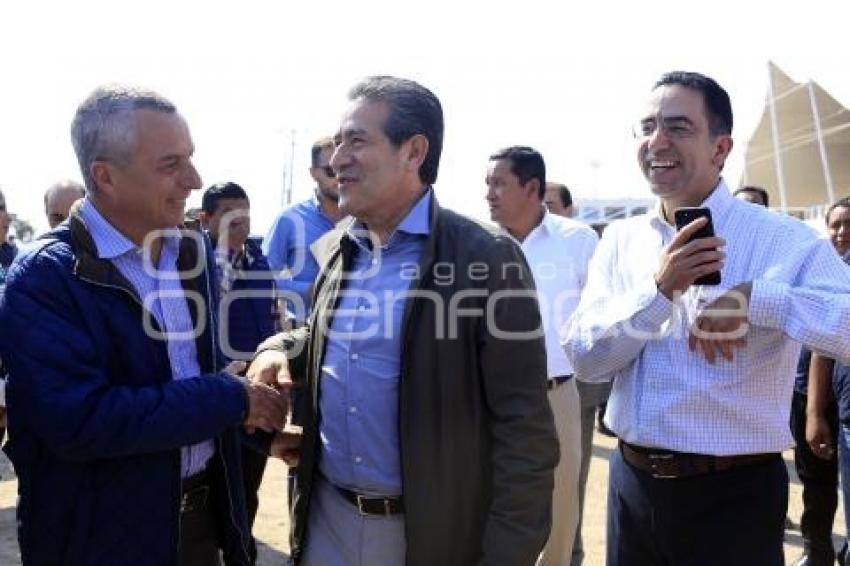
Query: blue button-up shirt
point(287, 247)
point(360, 371)
point(163, 297)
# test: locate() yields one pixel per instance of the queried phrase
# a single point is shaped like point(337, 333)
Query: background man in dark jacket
point(123, 425)
point(429, 438)
point(248, 313)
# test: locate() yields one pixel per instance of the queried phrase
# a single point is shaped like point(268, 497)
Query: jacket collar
point(94, 264)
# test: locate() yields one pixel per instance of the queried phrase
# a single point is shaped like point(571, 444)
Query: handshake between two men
point(269, 386)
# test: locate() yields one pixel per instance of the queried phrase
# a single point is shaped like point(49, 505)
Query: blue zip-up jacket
point(95, 419)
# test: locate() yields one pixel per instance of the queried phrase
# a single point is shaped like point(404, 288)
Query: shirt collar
point(111, 243)
point(547, 226)
point(416, 222)
point(718, 202)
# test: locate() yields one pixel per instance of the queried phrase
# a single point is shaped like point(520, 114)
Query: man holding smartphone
point(702, 374)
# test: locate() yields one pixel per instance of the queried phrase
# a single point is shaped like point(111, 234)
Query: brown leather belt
point(667, 464)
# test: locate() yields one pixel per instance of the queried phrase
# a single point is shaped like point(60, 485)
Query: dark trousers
point(198, 534)
point(820, 484)
point(733, 518)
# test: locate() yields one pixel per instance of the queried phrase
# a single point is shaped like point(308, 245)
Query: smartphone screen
point(683, 217)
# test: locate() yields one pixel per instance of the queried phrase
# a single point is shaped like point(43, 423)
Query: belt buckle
point(360, 509)
point(657, 461)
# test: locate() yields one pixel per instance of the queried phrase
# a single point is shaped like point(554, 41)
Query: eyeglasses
point(675, 128)
point(328, 170)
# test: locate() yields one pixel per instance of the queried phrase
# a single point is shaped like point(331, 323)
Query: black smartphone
point(686, 215)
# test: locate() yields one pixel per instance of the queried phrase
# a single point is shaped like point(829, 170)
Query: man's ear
point(416, 151)
point(313, 174)
point(722, 148)
point(532, 186)
point(104, 177)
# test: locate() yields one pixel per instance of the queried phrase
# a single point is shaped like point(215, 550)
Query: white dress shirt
point(558, 252)
point(666, 396)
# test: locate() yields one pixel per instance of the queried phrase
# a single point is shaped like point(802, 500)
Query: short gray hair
point(103, 126)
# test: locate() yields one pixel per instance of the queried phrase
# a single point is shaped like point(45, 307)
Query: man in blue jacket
point(123, 424)
point(248, 313)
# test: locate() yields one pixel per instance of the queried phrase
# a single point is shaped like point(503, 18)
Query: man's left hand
point(722, 326)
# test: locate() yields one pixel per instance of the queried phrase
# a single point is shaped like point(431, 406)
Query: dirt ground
point(273, 521)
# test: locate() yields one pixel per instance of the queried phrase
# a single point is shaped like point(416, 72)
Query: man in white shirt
point(558, 251)
point(702, 375)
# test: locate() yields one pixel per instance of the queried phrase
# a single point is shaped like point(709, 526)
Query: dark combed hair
point(843, 202)
point(318, 146)
point(413, 110)
point(756, 191)
point(718, 107)
point(526, 164)
point(219, 191)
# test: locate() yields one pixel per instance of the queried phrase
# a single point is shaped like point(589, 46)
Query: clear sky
point(564, 77)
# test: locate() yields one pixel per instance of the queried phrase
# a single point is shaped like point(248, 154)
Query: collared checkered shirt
point(666, 396)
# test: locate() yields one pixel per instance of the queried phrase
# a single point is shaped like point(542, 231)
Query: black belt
point(557, 381)
point(667, 464)
point(367, 505)
point(195, 493)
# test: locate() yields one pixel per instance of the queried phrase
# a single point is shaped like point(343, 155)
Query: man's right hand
point(819, 437)
point(683, 262)
point(267, 408)
point(270, 367)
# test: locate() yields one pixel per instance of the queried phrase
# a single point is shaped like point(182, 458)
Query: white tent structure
point(800, 150)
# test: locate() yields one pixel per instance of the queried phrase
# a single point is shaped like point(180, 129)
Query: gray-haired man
point(123, 421)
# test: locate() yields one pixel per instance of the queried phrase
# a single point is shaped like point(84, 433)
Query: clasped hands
point(721, 327)
point(269, 384)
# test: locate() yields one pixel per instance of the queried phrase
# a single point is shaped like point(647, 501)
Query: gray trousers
point(337, 535)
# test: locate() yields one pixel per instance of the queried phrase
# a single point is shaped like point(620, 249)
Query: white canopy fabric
point(800, 151)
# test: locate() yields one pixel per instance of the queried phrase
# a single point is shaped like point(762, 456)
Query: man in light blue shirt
point(363, 361)
point(428, 438)
point(287, 245)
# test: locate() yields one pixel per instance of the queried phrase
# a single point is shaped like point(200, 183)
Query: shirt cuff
point(655, 309)
point(768, 303)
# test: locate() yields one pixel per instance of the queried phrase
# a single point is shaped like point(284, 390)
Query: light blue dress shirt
point(287, 247)
point(360, 372)
point(163, 297)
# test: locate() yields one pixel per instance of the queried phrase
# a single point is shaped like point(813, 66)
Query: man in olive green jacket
point(461, 470)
